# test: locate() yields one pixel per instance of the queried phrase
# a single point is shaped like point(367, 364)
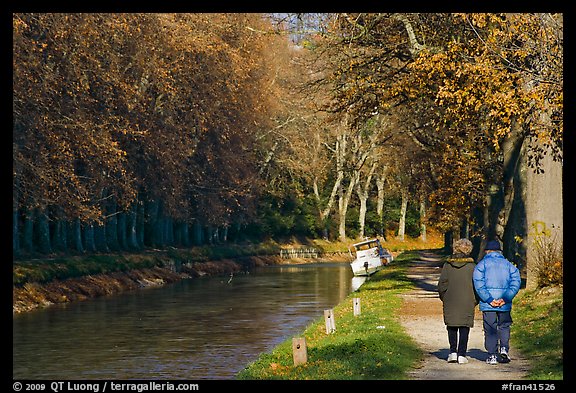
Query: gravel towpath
point(422, 317)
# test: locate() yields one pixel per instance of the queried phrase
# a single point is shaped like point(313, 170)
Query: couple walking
point(492, 283)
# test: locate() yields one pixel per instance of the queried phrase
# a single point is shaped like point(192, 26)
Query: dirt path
point(422, 317)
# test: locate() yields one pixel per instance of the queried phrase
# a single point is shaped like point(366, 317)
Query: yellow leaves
point(18, 24)
point(274, 366)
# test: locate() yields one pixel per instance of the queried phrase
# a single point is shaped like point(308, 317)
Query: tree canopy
point(137, 128)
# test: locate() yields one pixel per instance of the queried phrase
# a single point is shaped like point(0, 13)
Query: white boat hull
point(370, 257)
point(366, 267)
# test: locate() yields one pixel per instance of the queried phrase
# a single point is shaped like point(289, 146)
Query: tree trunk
point(89, 242)
point(76, 235)
point(544, 215)
point(380, 203)
point(181, 234)
point(423, 219)
point(43, 233)
point(465, 229)
point(28, 230)
point(140, 224)
point(131, 227)
point(343, 202)
point(511, 148)
point(362, 191)
point(340, 152)
point(208, 234)
point(151, 225)
point(59, 241)
point(178, 233)
point(111, 224)
point(500, 195)
point(168, 231)
point(362, 215)
point(402, 222)
point(121, 228)
point(159, 226)
point(100, 237)
point(324, 213)
point(197, 227)
point(448, 240)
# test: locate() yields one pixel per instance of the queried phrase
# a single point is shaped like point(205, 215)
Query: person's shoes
point(505, 358)
point(453, 357)
point(462, 359)
point(492, 359)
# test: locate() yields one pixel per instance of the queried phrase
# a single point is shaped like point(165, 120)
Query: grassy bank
point(538, 331)
point(71, 266)
point(43, 280)
point(372, 345)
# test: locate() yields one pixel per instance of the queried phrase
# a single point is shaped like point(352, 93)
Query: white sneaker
point(492, 360)
point(504, 355)
point(453, 357)
point(462, 359)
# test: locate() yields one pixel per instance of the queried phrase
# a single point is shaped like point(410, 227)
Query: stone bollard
point(299, 351)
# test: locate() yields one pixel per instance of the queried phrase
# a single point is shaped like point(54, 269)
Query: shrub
point(549, 260)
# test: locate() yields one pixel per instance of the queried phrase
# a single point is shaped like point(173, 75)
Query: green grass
point(538, 331)
point(45, 270)
point(372, 345)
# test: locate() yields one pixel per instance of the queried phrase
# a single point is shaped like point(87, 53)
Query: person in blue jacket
point(496, 281)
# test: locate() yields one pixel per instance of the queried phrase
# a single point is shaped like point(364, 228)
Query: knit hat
point(493, 245)
point(463, 246)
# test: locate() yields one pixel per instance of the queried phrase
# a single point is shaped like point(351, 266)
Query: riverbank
point(40, 283)
point(33, 295)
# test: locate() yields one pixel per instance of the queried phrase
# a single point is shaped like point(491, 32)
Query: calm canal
point(205, 328)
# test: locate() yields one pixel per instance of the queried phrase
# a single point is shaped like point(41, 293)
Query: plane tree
point(129, 127)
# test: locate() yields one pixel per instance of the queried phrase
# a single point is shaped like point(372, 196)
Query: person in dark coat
point(456, 290)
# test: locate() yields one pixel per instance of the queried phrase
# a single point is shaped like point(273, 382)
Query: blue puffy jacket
point(495, 278)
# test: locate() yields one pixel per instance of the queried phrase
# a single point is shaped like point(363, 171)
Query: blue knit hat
point(493, 245)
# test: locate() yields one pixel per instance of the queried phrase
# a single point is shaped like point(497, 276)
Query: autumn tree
point(492, 89)
point(352, 72)
point(128, 128)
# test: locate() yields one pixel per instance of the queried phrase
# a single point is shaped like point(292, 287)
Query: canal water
point(203, 328)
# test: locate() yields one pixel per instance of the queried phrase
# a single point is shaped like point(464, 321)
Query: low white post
point(356, 302)
point(329, 320)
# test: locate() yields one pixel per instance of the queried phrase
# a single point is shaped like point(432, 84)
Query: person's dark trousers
point(458, 344)
point(496, 330)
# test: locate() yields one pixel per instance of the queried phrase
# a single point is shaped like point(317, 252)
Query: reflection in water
point(206, 328)
point(357, 281)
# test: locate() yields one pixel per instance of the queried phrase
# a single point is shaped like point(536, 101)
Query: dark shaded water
point(203, 328)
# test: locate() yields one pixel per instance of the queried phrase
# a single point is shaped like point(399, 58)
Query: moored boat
point(370, 256)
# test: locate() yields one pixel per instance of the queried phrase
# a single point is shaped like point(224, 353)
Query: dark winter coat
point(456, 290)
